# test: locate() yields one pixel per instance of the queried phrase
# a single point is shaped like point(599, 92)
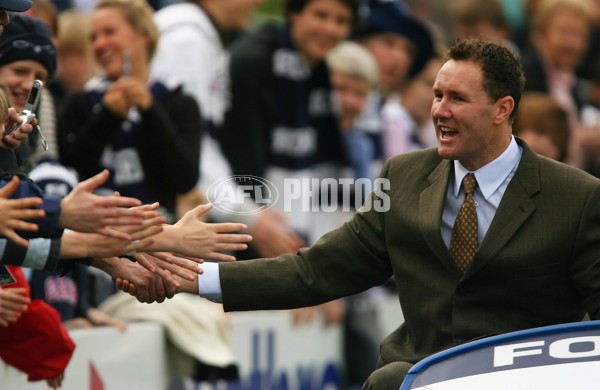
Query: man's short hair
point(501, 69)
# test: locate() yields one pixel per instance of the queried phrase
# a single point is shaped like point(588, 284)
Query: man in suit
point(538, 231)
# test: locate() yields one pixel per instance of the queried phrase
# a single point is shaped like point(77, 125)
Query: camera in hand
point(28, 113)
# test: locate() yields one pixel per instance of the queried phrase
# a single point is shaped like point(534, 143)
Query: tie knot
point(469, 183)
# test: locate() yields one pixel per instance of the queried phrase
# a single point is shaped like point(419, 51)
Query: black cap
point(390, 16)
point(15, 5)
point(27, 38)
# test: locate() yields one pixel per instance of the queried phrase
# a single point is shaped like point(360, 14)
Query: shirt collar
point(492, 175)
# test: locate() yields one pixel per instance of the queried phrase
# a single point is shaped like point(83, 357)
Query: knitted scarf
point(305, 131)
point(121, 156)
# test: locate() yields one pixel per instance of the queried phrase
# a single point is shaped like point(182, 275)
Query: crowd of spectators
point(147, 103)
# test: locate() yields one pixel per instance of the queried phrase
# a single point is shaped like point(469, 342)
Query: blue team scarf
point(120, 156)
point(306, 130)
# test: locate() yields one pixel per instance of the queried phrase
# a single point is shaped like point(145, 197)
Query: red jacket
point(37, 343)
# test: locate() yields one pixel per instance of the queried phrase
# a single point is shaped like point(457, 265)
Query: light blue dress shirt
point(492, 181)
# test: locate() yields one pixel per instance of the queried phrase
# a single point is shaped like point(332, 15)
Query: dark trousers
point(388, 377)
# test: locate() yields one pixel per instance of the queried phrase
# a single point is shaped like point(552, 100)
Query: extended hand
point(14, 212)
point(205, 240)
point(141, 236)
point(86, 212)
point(151, 287)
point(160, 262)
point(132, 288)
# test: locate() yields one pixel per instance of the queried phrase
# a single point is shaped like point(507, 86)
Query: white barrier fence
point(272, 353)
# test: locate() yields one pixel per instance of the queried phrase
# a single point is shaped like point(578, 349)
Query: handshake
point(113, 231)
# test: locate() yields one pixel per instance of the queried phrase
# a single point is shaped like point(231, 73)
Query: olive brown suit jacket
point(539, 263)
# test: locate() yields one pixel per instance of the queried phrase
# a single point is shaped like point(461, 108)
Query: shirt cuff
point(209, 283)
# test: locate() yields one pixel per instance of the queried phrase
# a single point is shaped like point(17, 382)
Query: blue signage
point(531, 356)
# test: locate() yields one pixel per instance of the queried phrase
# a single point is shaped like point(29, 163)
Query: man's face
point(465, 118)
point(19, 76)
point(564, 40)
point(394, 55)
point(351, 95)
point(320, 26)
point(236, 14)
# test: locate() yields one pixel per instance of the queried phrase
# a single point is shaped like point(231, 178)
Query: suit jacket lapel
point(431, 207)
point(514, 209)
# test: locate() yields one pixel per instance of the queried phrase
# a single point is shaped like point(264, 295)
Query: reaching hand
point(13, 301)
point(132, 288)
point(86, 212)
point(14, 212)
point(161, 261)
point(151, 287)
point(205, 240)
point(76, 245)
point(272, 237)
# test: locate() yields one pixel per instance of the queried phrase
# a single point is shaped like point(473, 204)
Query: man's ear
point(503, 108)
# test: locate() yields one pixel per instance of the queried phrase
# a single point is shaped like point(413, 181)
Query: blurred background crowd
point(173, 95)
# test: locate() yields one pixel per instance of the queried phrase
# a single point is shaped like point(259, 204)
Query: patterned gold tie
point(463, 244)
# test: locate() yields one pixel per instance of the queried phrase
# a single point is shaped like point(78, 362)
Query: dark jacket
point(168, 143)
point(537, 265)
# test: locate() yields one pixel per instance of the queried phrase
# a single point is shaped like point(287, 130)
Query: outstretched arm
point(77, 245)
point(190, 236)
